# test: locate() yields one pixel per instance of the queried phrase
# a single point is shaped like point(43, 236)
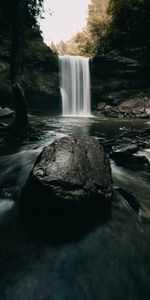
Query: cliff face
point(120, 84)
point(41, 81)
point(5, 86)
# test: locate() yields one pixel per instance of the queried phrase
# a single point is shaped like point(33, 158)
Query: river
point(109, 262)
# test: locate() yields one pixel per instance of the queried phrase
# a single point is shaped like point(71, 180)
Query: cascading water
point(75, 85)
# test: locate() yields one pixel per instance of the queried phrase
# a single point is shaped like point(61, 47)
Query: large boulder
point(71, 178)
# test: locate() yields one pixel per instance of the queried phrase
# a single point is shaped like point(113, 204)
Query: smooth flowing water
point(75, 85)
point(109, 262)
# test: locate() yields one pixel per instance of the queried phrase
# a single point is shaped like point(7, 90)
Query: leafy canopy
point(112, 24)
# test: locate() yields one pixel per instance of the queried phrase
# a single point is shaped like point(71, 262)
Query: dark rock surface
point(122, 82)
point(41, 80)
point(119, 83)
point(5, 112)
point(71, 178)
point(125, 150)
point(129, 197)
point(129, 146)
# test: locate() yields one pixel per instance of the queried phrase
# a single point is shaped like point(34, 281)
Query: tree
point(88, 41)
point(53, 47)
point(98, 24)
point(21, 120)
point(130, 22)
point(22, 10)
point(113, 24)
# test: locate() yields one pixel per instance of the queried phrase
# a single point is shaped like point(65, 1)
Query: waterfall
point(75, 85)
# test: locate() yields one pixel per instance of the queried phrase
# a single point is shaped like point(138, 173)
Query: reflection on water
point(92, 126)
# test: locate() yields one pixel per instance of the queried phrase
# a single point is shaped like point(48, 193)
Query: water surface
point(109, 262)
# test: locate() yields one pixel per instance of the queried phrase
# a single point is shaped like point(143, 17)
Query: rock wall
point(120, 84)
point(41, 80)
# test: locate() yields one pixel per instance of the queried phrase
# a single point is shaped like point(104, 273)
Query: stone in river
point(71, 178)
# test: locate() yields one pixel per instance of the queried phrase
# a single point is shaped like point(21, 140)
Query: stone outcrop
point(71, 178)
point(121, 82)
point(40, 82)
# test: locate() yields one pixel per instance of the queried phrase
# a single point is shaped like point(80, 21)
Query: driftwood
point(137, 134)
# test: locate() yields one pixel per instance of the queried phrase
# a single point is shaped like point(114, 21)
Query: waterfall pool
point(109, 262)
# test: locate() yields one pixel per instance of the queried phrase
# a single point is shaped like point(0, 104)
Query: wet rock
point(5, 112)
point(101, 105)
point(3, 66)
point(132, 106)
point(121, 81)
point(138, 107)
point(143, 156)
point(3, 125)
point(111, 111)
point(71, 178)
point(130, 198)
point(130, 146)
point(147, 111)
point(127, 150)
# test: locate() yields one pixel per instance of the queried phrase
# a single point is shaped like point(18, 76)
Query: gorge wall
point(40, 82)
point(120, 84)
point(119, 81)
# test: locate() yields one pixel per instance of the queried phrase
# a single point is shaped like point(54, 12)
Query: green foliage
point(97, 23)
point(5, 15)
point(88, 40)
point(111, 24)
point(130, 21)
point(35, 7)
point(38, 58)
point(33, 10)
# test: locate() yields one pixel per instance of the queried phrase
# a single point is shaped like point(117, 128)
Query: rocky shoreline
point(119, 81)
point(120, 84)
point(133, 108)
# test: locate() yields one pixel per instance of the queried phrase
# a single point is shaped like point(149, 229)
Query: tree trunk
point(21, 119)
